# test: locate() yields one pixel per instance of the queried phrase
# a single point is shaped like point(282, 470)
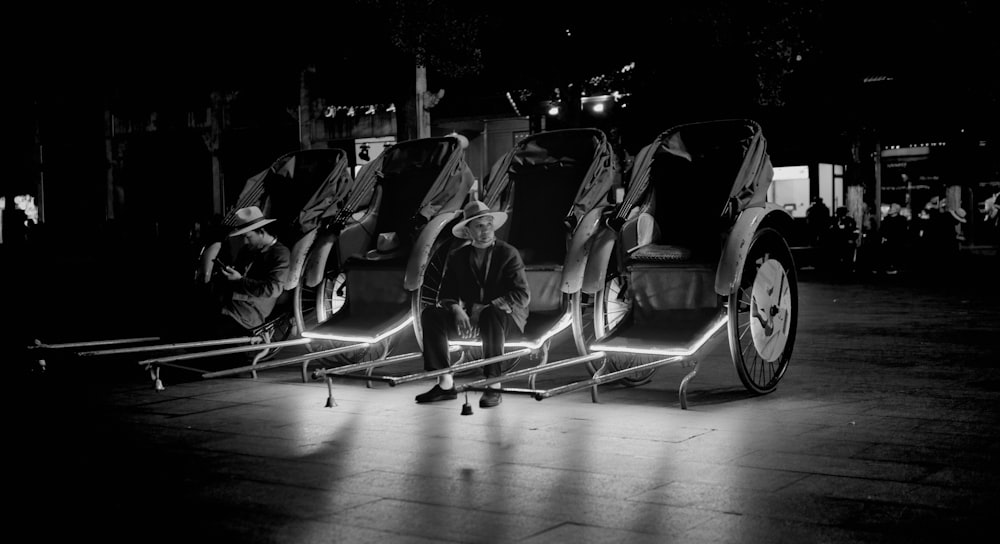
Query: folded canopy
point(729, 152)
point(297, 189)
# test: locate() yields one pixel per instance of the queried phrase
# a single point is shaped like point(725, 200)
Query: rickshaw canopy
point(555, 149)
point(727, 142)
point(297, 189)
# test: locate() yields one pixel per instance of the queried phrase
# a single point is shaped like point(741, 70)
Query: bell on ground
point(466, 408)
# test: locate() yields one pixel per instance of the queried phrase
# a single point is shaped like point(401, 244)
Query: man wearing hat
point(484, 292)
point(249, 288)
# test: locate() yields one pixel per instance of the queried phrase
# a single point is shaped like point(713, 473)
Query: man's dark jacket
point(506, 283)
point(252, 298)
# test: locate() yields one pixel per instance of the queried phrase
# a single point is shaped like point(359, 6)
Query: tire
point(763, 310)
point(314, 305)
point(582, 311)
point(612, 308)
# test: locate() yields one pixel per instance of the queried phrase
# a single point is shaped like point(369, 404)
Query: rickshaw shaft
point(458, 368)
point(530, 371)
point(284, 362)
point(605, 378)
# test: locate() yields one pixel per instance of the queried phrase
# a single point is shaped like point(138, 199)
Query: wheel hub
point(770, 308)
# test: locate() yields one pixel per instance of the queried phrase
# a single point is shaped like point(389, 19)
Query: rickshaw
point(350, 303)
point(691, 254)
point(298, 190)
point(554, 186)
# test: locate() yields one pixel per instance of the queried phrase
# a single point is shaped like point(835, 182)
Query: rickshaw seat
point(654, 253)
point(689, 198)
point(542, 196)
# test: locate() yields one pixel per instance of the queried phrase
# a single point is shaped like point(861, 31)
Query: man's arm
point(449, 294)
point(276, 262)
point(515, 284)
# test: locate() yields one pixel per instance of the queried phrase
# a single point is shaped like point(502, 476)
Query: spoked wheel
point(427, 295)
point(314, 305)
point(582, 311)
point(612, 307)
point(762, 313)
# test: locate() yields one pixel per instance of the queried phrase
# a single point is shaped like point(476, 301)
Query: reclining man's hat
point(475, 210)
point(248, 219)
point(386, 247)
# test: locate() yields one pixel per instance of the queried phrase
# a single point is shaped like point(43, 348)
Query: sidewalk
point(884, 429)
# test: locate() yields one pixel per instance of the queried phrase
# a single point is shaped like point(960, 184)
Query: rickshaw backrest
point(408, 173)
point(691, 181)
point(544, 178)
point(541, 195)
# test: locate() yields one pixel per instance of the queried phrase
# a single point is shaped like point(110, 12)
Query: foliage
point(440, 34)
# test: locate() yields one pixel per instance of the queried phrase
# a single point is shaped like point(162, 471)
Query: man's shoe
point(436, 394)
point(491, 397)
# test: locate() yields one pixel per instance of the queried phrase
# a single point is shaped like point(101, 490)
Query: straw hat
point(475, 210)
point(248, 219)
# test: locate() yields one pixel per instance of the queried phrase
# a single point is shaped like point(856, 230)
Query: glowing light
point(362, 339)
point(684, 351)
point(560, 326)
point(554, 110)
point(512, 104)
point(598, 108)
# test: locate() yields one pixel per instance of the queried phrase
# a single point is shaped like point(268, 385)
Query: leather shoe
point(436, 394)
point(491, 397)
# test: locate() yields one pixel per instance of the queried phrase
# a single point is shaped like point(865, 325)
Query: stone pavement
point(884, 429)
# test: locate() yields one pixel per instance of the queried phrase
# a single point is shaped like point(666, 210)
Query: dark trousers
point(439, 325)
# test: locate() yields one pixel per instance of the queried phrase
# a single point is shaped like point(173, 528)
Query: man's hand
point(231, 273)
point(477, 309)
point(462, 321)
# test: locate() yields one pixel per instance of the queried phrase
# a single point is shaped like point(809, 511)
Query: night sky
point(797, 66)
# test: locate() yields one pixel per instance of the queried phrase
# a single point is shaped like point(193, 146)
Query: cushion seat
point(653, 253)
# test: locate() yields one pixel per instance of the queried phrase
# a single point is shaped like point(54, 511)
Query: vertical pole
point(486, 149)
point(877, 212)
point(109, 165)
point(305, 108)
point(423, 117)
point(215, 135)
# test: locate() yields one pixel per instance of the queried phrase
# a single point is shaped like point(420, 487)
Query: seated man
point(484, 292)
point(244, 294)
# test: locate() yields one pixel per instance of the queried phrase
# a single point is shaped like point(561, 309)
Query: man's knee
point(434, 318)
point(492, 320)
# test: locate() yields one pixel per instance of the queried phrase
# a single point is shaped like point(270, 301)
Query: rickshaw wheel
point(314, 305)
point(612, 306)
point(762, 313)
point(427, 295)
point(582, 310)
